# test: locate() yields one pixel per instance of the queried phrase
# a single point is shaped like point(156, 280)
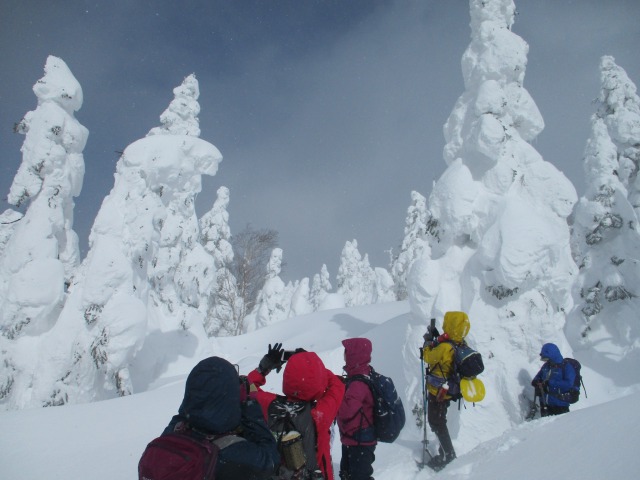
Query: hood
point(212, 396)
point(456, 325)
point(552, 352)
point(304, 377)
point(357, 355)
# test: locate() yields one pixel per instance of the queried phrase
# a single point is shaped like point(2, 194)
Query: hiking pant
point(437, 416)
point(553, 410)
point(357, 462)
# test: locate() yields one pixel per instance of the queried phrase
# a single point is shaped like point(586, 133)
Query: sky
point(104, 440)
point(327, 113)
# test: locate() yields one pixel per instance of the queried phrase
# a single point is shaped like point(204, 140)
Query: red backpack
point(183, 455)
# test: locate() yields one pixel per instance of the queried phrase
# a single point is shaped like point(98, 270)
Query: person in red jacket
point(355, 416)
point(305, 378)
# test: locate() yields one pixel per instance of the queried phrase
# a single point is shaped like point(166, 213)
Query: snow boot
point(440, 461)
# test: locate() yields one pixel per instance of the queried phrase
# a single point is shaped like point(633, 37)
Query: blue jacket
point(211, 405)
point(556, 374)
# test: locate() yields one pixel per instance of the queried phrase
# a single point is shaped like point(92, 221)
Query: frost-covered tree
point(42, 252)
point(413, 245)
point(145, 228)
point(383, 286)
point(356, 278)
point(182, 274)
point(8, 222)
point(619, 108)
point(301, 299)
point(226, 307)
point(498, 237)
point(605, 235)
point(320, 287)
point(274, 300)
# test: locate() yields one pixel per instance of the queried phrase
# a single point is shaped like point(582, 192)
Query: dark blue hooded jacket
point(558, 375)
point(211, 405)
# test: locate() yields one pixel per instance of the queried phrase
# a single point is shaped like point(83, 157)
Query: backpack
point(388, 412)
point(292, 425)
point(467, 363)
point(183, 455)
point(573, 395)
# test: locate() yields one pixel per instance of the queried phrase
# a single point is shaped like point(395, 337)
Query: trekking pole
point(425, 406)
point(543, 405)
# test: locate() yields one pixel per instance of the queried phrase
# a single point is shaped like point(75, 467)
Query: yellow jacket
point(440, 358)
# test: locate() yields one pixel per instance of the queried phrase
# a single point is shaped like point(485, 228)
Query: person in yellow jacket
point(438, 353)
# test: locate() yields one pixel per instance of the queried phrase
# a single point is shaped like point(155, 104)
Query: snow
point(104, 440)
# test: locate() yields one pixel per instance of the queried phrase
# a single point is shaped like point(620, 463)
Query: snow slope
point(103, 440)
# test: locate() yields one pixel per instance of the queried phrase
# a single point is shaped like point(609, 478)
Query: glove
point(432, 332)
point(273, 359)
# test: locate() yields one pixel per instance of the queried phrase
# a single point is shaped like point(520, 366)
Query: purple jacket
point(355, 416)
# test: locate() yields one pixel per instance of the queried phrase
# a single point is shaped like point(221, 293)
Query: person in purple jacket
point(355, 415)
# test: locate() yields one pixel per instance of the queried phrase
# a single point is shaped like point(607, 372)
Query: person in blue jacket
point(554, 378)
point(215, 402)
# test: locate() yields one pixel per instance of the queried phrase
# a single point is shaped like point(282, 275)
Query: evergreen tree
point(226, 307)
point(301, 299)
point(383, 286)
point(498, 232)
point(42, 253)
point(356, 278)
point(413, 244)
point(619, 107)
point(605, 235)
point(274, 300)
point(320, 287)
point(144, 259)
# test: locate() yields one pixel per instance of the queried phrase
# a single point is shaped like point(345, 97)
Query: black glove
point(273, 359)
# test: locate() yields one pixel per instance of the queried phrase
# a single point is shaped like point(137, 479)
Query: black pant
point(357, 462)
point(548, 410)
point(437, 416)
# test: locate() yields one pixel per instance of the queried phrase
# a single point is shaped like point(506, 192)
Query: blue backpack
point(388, 412)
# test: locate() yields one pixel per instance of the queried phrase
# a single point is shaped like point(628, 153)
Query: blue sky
point(327, 113)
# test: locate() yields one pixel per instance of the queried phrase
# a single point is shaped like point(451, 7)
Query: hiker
point(439, 354)
point(554, 379)
point(212, 406)
point(355, 416)
point(309, 388)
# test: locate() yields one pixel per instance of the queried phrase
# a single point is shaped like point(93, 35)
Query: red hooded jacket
point(306, 378)
point(356, 411)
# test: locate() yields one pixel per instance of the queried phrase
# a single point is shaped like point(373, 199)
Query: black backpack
point(468, 362)
point(388, 411)
point(295, 433)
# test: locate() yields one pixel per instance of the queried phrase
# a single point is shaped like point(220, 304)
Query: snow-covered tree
point(605, 234)
point(8, 222)
point(383, 286)
point(42, 252)
point(145, 229)
point(499, 238)
point(183, 273)
point(619, 108)
point(320, 287)
point(301, 299)
point(226, 307)
point(356, 278)
point(414, 243)
point(274, 300)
